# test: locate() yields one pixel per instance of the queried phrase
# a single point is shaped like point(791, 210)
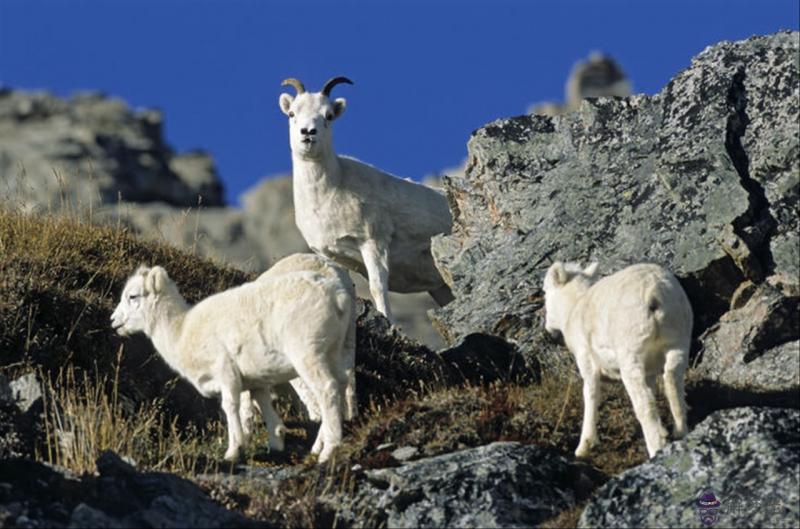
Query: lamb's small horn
point(326, 90)
point(295, 83)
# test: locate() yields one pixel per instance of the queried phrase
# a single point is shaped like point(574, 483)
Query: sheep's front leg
point(376, 260)
point(674, 371)
point(644, 405)
point(275, 427)
point(230, 405)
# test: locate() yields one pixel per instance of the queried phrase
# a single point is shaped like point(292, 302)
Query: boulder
point(27, 391)
point(120, 496)
point(747, 459)
point(389, 364)
point(753, 352)
point(16, 432)
point(701, 178)
point(497, 485)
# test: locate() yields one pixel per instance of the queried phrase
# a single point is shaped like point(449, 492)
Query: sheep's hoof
point(663, 432)
point(325, 454)
point(276, 443)
point(583, 449)
point(232, 455)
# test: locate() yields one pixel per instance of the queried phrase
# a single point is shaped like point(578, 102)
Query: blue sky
point(426, 73)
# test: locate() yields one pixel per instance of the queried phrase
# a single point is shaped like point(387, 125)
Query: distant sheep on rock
point(632, 325)
point(363, 218)
point(250, 338)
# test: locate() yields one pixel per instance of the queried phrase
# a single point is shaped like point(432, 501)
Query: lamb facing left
point(249, 338)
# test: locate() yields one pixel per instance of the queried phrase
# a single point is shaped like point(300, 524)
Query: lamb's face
point(138, 300)
point(310, 119)
point(561, 292)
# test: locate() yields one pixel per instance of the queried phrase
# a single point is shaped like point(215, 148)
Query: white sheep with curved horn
point(250, 338)
point(365, 219)
point(632, 325)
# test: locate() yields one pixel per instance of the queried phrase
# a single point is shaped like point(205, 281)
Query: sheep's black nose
point(308, 132)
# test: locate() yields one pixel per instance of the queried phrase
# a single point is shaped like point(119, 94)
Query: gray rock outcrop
point(91, 149)
point(749, 458)
point(701, 178)
point(35, 495)
point(497, 485)
point(754, 348)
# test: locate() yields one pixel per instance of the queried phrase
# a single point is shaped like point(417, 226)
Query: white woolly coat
point(639, 312)
point(352, 202)
point(255, 328)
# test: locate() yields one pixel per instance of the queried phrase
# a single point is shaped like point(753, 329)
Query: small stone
point(27, 390)
point(404, 453)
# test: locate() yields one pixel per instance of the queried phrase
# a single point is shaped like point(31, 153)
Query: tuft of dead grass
point(85, 415)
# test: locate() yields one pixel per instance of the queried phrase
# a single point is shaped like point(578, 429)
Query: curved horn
point(326, 90)
point(295, 83)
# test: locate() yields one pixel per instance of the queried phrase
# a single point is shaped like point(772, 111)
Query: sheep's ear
point(285, 102)
point(590, 270)
point(559, 273)
point(339, 106)
point(156, 280)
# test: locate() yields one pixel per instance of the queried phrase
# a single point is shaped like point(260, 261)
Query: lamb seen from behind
point(249, 338)
point(365, 219)
point(632, 325)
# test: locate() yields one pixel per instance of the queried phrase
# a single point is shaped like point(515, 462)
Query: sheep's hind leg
point(376, 260)
point(644, 406)
point(308, 399)
point(674, 371)
point(591, 403)
point(320, 379)
point(348, 360)
point(652, 388)
point(230, 405)
point(275, 426)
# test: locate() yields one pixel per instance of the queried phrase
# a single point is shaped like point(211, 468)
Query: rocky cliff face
point(91, 149)
point(702, 178)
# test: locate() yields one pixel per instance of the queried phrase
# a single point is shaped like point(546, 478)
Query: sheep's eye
point(329, 116)
point(291, 114)
point(134, 296)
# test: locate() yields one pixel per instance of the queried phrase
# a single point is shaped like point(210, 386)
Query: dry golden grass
point(85, 415)
point(59, 281)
